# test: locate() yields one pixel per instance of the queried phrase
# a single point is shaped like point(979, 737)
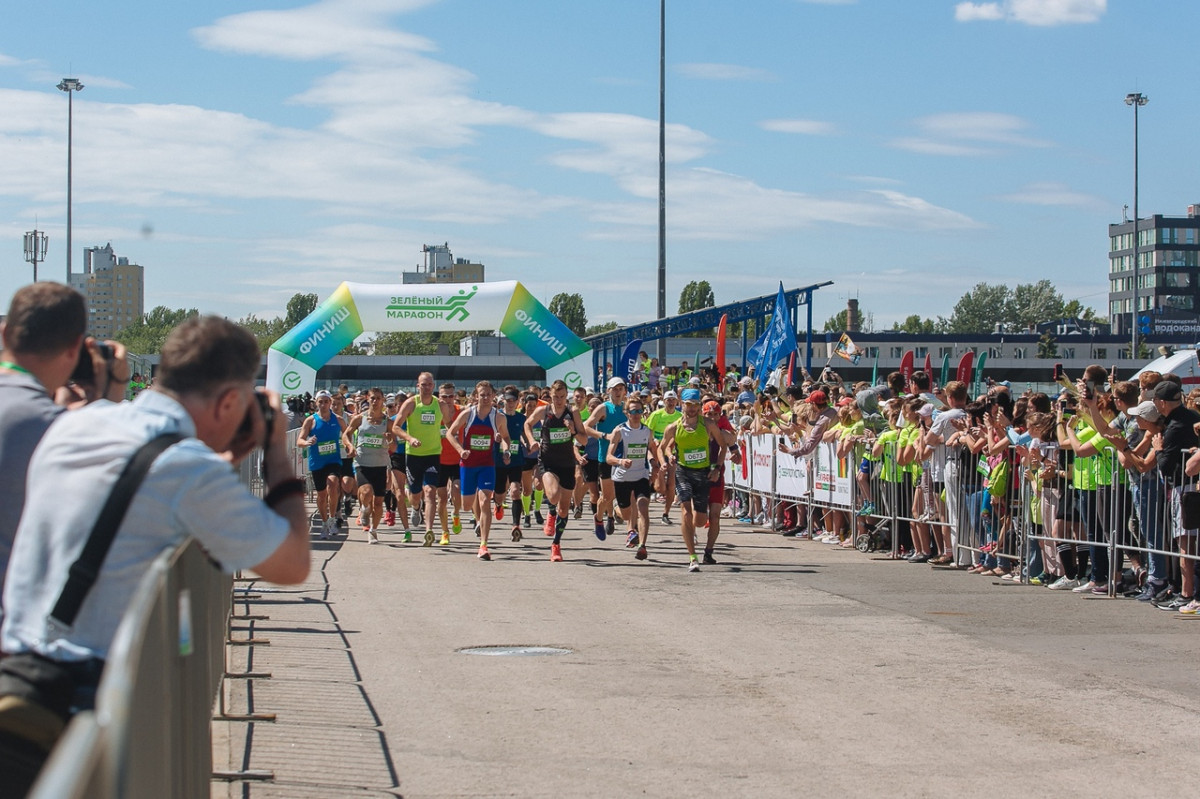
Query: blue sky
point(905, 150)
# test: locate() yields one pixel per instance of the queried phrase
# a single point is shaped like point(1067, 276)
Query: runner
point(396, 499)
point(560, 448)
point(658, 421)
point(686, 443)
point(632, 445)
point(716, 490)
point(472, 435)
point(449, 495)
point(367, 439)
point(605, 419)
point(534, 500)
point(320, 434)
point(513, 478)
point(586, 475)
point(418, 424)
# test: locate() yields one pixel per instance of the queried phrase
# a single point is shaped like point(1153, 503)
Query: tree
point(603, 327)
point(1047, 346)
point(697, 295)
point(265, 331)
point(404, 342)
point(981, 309)
point(569, 309)
point(298, 307)
point(1032, 303)
point(1076, 310)
point(837, 322)
point(146, 336)
point(918, 326)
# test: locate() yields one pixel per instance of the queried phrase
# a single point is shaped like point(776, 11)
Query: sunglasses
point(634, 411)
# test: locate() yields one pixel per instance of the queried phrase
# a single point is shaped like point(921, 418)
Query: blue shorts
point(476, 478)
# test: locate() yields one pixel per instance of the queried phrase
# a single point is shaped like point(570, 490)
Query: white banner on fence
point(822, 476)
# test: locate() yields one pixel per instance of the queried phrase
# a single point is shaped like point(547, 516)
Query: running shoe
point(600, 532)
point(555, 553)
point(1175, 603)
point(641, 554)
point(499, 511)
point(694, 565)
point(429, 538)
point(578, 511)
point(516, 533)
point(610, 524)
point(389, 518)
point(709, 560)
point(547, 524)
point(1100, 589)
point(484, 554)
point(666, 519)
point(1064, 584)
point(445, 540)
point(477, 531)
point(867, 509)
point(1191, 608)
point(1084, 588)
point(325, 529)
point(526, 521)
point(407, 537)
point(456, 526)
point(631, 540)
point(414, 518)
point(372, 536)
point(537, 516)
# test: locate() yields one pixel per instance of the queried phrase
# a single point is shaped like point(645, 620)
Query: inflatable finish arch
point(294, 359)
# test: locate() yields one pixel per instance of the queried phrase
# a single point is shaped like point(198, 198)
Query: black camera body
point(85, 370)
point(268, 416)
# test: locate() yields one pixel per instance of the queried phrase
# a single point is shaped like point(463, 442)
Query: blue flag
point(779, 340)
point(628, 363)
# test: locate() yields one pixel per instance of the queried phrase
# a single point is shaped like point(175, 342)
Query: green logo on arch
point(291, 380)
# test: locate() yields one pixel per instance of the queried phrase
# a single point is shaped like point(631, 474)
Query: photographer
point(44, 348)
point(205, 394)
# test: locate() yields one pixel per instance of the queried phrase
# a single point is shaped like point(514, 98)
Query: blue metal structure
point(606, 347)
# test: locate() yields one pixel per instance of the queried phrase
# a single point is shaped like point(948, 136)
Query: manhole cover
point(519, 651)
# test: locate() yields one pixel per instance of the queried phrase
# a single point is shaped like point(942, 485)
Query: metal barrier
point(149, 733)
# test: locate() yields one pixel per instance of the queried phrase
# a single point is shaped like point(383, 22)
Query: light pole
point(1137, 100)
point(70, 86)
point(35, 249)
point(662, 174)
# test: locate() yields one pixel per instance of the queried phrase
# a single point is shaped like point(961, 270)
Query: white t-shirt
point(943, 425)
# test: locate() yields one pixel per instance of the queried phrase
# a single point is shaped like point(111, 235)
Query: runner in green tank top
point(685, 444)
point(418, 424)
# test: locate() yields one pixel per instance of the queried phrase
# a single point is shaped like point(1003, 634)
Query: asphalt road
point(790, 669)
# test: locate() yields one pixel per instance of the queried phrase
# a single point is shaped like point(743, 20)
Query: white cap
point(322, 394)
point(695, 381)
point(746, 381)
point(925, 410)
point(616, 381)
point(670, 395)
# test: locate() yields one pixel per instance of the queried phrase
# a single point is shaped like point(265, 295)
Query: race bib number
point(327, 447)
point(635, 451)
point(428, 417)
point(559, 435)
point(694, 456)
point(371, 441)
point(480, 443)
point(514, 447)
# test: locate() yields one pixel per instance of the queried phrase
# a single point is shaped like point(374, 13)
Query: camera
point(268, 416)
point(85, 370)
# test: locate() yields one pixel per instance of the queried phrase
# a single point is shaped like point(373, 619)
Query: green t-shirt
point(889, 471)
point(659, 420)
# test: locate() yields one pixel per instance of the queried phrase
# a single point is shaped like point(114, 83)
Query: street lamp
point(35, 249)
point(70, 86)
point(1135, 99)
point(662, 174)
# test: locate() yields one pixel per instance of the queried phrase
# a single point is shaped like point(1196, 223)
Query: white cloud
point(1054, 194)
point(811, 127)
point(970, 133)
point(1042, 13)
point(723, 72)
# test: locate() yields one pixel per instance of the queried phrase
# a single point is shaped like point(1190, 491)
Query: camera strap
point(84, 571)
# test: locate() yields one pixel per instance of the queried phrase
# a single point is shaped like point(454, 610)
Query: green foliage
point(146, 337)
point(404, 342)
point(1047, 346)
point(837, 322)
point(603, 327)
point(1019, 308)
point(916, 325)
point(569, 309)
point(696, 295)
point(298, 307)
point(265, 331)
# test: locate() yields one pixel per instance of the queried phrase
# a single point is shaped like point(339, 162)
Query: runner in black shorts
point(560, 449)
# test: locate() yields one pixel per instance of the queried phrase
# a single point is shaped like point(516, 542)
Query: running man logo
point(453, 309)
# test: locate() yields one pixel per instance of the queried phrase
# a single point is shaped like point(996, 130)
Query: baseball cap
point(615, 381)
point(925, 410)
point(671, 395)
point(512, 395)
point(694, 381)
point(323, 394)
point(844, 401)
point(1145, 410)
point(746, 381)
point(818, 398)
point(691, 395)
point(1168, 391)
point(390, 399)
point(711, 405)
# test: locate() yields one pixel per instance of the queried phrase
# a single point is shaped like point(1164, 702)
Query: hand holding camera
point(102, 371)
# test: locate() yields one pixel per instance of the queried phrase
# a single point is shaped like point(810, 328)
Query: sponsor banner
point(831, 477)
point(792, 476)
point(541, 334)
point(822, 477)
point(355, 308)
point(575, 372)
point(762, 462)
point(323, 333)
